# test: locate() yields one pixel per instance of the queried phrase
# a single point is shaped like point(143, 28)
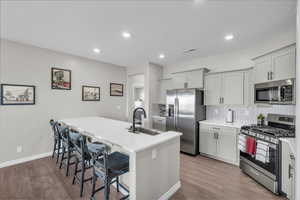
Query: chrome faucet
point(134, 117)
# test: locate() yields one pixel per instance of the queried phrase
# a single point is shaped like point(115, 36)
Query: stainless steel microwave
point(275, 92)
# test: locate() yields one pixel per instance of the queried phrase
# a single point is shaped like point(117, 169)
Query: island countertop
point(116, 132)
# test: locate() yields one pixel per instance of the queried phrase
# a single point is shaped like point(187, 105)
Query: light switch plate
point(19, 149)
point(154, 153)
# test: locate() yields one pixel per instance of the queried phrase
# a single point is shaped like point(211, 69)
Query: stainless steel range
point(267, 173)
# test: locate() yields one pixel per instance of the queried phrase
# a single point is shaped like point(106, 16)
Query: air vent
point(189, 51)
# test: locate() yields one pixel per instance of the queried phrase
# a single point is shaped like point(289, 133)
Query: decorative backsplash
point(247, 114)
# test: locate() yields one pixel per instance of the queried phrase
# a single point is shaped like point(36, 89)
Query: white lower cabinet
point(219, 142)
point(287, 171)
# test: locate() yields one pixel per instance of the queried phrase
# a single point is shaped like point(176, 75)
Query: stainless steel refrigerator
point(185, 109)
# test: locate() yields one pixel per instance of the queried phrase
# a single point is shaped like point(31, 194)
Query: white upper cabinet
point(233, 88)
point(195, 79)
point(224, 88)
point(188, 79)
point(278, 65)
point(179, 80)
point(284, 64)
point(212, 89)
point(262, 69)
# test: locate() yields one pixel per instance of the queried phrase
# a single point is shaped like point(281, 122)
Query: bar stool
point(108, 168)
point(57, 140)
point(83, 157)
point(67, 147)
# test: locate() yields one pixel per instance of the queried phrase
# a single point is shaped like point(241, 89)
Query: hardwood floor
point(201, 178)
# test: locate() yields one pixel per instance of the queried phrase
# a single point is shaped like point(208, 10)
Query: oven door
point(272, 167)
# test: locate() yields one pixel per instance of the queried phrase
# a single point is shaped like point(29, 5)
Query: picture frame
point(90, 93)
point(15, 94)
point(116, 89)
point(61, 79)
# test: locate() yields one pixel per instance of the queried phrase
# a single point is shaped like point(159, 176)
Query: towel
point(242, 143)
point(262, 152)
point(251, 146)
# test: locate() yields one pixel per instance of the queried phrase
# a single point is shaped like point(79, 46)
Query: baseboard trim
point(171, 192)
point(23, 160)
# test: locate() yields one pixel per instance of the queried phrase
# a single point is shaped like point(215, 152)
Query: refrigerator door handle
point(176, 112)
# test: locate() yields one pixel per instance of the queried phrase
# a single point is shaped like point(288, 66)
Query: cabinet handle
point(290, 171)
point(220, 100)
point(268, 75)
point(271, 75)
point(217, 136)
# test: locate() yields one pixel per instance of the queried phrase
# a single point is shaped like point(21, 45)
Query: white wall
point(239, 59)
point(29, 125)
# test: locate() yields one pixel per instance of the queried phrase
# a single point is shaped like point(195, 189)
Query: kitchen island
point(154, 160)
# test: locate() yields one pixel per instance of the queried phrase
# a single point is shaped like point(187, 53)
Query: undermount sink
point(145, 131)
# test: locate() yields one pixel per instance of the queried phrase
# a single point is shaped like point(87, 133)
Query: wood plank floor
point(202, 179)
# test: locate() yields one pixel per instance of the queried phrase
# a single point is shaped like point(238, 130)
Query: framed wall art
point(13, 94)
point(90, 93)
point(60, 79)
point(116, 89)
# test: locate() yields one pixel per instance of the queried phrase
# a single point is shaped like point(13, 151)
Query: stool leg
point(118, 190)
point(94, 184)
point(75, 172)
point(82, 177)
point(58, 151)
point(106, 189)
point(62, 157)
point(68, 161)
point(54, 148)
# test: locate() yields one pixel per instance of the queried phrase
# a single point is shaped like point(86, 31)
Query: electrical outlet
point(154, 153)
point(19, 149)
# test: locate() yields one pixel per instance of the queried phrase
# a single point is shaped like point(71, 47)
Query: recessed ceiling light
point(96, 50)
point(126, 35)
point(161, 56)
point(229, 37)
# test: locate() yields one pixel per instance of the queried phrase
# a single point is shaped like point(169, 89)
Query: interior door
point(185, 122)
point(171, 110)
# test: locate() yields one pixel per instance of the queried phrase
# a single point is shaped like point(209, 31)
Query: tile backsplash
point(247, 114)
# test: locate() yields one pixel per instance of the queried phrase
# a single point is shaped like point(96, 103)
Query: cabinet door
point(262, 69)
point(195, 79)
point(286, 173)
point(179, 80)
point(164, 86)
point(207, 142)
point(233, 88)
point(212, 89)
point(227, 144)
point(284, 64)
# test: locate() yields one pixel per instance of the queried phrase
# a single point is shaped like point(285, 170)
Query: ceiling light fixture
point(96, 50)
point(126, 35)
point(161, 56)
point(229, 37)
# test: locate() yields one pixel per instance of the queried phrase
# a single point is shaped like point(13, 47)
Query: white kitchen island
point(154, 160)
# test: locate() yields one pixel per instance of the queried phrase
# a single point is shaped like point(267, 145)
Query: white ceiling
point(171, 27)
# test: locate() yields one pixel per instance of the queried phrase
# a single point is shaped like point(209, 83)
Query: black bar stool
point(67, 147)
point(57, 140)
point(108, 168)
point(83, 157)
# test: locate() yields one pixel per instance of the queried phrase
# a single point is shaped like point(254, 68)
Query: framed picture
point(116, 89)
point(90, 93)
point(12, 94)
point(60, 79)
